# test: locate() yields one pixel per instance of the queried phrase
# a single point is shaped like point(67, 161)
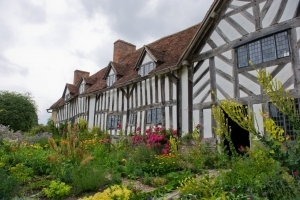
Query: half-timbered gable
point(237, 38)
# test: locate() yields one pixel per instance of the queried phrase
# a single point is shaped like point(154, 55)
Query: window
point(282, 121)
point(110, 80)
point(153, 116)
point(82, 88)
point(266, 49)
point(67, 96)
point(132, 118)
point(146, 68)
point(113, 121)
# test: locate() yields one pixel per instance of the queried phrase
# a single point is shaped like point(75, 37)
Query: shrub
point(88, 178)
point(57, 190)
point(9, 186)
point(115, 192)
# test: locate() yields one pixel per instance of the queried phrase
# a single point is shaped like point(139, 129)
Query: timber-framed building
point(169, 82)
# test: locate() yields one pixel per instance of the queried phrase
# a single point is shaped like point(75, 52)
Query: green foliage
point(21, 172)
point(57, 190)
point(38, 129)
point(19, 111)
point(115, 192)
point(88, 178)
point(9, 186)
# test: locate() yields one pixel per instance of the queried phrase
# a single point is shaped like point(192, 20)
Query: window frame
point(281, 120)
point(262, 50)
point(115, 119)
point(132, 118)
point(111, 79)
point(153, 113)
point(146, 68)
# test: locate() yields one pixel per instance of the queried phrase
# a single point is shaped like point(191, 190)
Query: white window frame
point(110, 80)
point(146, 68)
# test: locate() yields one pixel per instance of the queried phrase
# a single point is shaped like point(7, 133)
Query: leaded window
point(132, 118)
point(282, 120)
point(110, 80)
point(146, 68)
point(153, 116)
point(266, 49)
point(113, 121)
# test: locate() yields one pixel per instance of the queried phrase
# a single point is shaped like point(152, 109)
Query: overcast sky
point(42, 42)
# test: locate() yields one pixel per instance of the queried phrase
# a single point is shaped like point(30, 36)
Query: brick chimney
point(121, 48)
point(78, 74)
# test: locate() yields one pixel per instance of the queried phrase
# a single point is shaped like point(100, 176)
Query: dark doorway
point(239, 136)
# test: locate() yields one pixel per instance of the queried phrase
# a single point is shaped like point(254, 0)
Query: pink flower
point(156, 129)
point(164, 151)
point(138, 129)
point(119, 126)
point(198, 126)
point(295, 173)
point(174, 132)
point(147, 130)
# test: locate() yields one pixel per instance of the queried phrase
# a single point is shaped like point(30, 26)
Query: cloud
point(44, 41)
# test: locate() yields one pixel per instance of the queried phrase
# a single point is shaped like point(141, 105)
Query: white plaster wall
point(220, 64)
point(115, 99)
point(298, 33)
point(143, 120)
point(201, 82)
point(167, 114)
point(246, 24)
point(184, 85)
point(228, 30)
point(285, 73)
point(146, 59)
point(153, 89)
point(167, 96)
point(206, 48)
point(196, 119)
point(217, 39)
point(148, 90)
point(201, 95)
point(257, 108)
point(159, 89)
point(207, 129)
point(138, 94)
point(203, 67)
point(238, 3)
point(174, 117)
point(271, 13)
point(125, 103)
point(289, 10)
point(250, 85)
point(91, 111)
point(143, 93)
point(225, 85)
point(111, 72)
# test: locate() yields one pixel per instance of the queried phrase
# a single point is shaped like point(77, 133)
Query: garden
point(74, 162)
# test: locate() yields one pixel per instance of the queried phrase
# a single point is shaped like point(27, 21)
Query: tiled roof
point(58, 103)
point(167, 51)
point(100, 83)
point(72, 88)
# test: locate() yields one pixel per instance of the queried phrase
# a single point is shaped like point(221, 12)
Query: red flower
point(174, 132)
point(119, 126)
point(138, 129)
point(295, 173)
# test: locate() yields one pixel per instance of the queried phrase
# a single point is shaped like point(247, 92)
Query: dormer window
point(110, 80)
point(82, 88)
point(67, 96)
point(146, 68)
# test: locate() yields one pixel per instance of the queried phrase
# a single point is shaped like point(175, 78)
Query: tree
point(19, 111)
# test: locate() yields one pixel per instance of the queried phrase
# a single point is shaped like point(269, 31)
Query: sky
point(42, 42)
